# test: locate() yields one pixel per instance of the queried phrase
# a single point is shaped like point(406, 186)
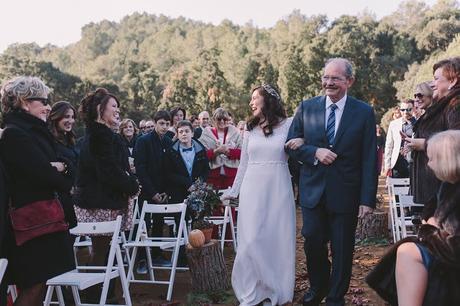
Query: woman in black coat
point(34, 174)
point(105, 185)
point(60, 124)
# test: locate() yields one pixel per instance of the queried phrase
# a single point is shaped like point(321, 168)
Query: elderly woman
point(36, 175)
point(440, 115)
point(223, 144)
point(105, 184)
point(60, 124)
point(425, 270)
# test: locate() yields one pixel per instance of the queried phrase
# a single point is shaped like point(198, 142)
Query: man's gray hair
point(347, 64)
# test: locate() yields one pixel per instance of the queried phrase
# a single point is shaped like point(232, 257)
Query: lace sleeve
point(235, 190)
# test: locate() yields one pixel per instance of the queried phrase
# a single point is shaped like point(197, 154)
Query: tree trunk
point(207, 267)
point(373, 226)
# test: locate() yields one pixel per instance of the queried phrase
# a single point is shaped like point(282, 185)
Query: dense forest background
point(154, 62)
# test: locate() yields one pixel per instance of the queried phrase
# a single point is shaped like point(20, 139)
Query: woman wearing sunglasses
point(441, 101)
point(36, 176)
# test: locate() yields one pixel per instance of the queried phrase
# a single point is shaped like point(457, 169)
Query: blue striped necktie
point(330, 129)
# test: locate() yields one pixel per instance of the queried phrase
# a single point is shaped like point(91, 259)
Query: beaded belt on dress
point(265, 162)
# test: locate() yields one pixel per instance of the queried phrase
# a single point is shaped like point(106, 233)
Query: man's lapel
point(317, 120)
point(346, 120)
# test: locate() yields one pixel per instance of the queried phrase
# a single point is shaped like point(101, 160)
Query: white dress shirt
point(338, 112)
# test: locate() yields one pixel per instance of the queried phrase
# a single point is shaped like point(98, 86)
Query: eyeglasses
point(326, 78)
point(405, 109)
point(418, 96)
point(44, 101)
point(221, 119)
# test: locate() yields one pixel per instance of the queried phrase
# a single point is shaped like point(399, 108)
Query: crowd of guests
point(97, 177)
point(422, 144)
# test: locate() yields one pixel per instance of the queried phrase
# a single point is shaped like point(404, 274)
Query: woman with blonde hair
point(36, 176)
point(129, 133)
point(426, 268)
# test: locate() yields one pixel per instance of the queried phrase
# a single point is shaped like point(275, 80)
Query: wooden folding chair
point(84, 277)
point(143, 240)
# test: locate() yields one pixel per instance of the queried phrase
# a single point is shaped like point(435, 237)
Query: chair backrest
point(164, 209)
point(102, 228)
point(136, 219)
point(3, 265)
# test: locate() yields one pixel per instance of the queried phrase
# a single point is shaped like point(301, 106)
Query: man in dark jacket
point(149, 155)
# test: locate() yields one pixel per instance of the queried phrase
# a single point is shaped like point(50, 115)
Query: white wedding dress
point(264, 266)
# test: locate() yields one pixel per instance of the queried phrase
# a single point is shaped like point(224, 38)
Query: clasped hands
point(222, 149)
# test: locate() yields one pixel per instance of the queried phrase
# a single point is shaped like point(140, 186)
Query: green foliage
point(154, 62)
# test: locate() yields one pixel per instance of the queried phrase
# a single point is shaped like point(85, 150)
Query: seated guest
point(186, 161)
point(425, 270)
point(149, 159)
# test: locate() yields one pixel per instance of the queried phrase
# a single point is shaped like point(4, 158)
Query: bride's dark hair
point(273, 110)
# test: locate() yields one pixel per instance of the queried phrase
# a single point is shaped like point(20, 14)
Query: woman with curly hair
point(266, 201)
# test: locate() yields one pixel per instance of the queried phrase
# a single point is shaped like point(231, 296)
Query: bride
point(264, 267)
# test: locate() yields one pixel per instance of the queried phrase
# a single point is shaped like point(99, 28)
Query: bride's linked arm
point(235, 190)
point(304, 153)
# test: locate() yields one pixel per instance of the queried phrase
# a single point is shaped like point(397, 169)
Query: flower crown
point(271, 91)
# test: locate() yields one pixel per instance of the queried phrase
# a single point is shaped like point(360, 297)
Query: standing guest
point(3, 222)
point(60, 123)
point(31, 163)
point(396, 113)
point(105, 185)
point(149, 126)
point(203, 119)
point(417, 111)
point(185, 162)
point(380, 146)
point(177, 114)
point(396, 162)
point(241, 127)
point(142, 126)
point(424, 270)
point(264, 268)
point(149, 159)
point(129, 133)
point(443, 114)
point(195, 122)
point(223, 148)
point(338, 179)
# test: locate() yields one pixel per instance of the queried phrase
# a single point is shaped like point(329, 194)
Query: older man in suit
point(396, 164)
point(338, 179)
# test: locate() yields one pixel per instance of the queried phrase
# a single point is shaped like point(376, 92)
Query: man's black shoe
point(313, 298)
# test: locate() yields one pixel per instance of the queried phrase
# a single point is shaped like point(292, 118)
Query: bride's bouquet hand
point(227, 196)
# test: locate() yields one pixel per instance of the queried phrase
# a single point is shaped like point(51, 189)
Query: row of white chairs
point(400, 202)
point(84, 277)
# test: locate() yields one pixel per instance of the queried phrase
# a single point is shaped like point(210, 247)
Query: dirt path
point(359, 294)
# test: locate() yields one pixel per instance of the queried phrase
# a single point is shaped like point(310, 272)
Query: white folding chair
point(84, 277)
point(3, 265)
point(406, 202)
point(143, 240)
point(399, 200)
point(136, 219)
point(13, 291)
point(222, 222)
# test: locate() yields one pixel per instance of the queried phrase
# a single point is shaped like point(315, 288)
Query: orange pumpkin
point(196, 238)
